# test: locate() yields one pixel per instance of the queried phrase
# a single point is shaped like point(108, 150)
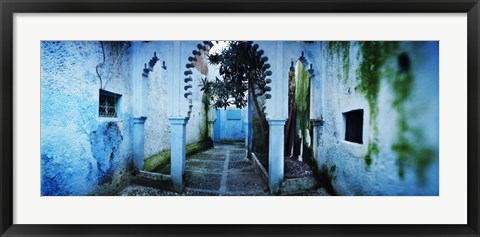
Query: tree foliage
point(243, 68)
point(244, 74)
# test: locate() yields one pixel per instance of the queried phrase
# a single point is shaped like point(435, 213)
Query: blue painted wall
point(401, 138)
point(82, 153)
point(229, 125)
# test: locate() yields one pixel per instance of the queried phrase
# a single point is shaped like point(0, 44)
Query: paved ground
point(221, 171)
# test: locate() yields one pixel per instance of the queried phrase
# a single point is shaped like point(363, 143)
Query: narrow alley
point(143, 116)
point(220, 171)
point(223, 170)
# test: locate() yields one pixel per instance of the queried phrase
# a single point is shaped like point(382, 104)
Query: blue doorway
point(229, 125)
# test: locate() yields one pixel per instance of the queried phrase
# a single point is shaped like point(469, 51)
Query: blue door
point(228, 125)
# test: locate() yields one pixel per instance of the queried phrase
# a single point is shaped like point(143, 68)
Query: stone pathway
point(223, 170)
point(220, 171)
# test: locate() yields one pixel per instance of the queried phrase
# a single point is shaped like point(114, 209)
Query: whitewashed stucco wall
point(74, 150)
point(198, 121)
point(345, 160)
point(158, 98)
point(70, 89)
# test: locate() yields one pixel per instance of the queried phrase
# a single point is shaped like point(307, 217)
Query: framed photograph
point(252, 118)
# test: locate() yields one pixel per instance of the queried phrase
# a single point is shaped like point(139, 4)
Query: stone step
point(298, 185)
point(153, 180)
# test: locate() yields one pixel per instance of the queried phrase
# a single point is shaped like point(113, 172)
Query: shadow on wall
point(105, 142)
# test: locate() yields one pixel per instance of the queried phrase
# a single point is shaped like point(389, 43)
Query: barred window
point(108, 104)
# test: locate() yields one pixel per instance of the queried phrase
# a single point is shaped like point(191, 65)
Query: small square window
point(354, 126)
point(108, 104)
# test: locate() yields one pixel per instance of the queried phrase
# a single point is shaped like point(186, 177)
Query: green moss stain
point(372, 151)
point(402, 86)
point(376, 65)
point(410, 148)
point(342, 50)
point(160, 161)
point(370, 73)
point(204, 128)
point(327, 179)
point(302, 99)
point(302, 89)
point(424, 158)
point(333, 168)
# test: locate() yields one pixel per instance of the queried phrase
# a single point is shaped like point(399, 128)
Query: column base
point(178, 151)
point(276, 156)
point(138, 143)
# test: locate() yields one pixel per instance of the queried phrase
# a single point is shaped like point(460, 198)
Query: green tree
point(244, 71)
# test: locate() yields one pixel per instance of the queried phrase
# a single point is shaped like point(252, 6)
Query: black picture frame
point(9, 7)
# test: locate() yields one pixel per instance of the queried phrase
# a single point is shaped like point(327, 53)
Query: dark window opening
point(354, 126)
point(403, 63)
point(108, 104)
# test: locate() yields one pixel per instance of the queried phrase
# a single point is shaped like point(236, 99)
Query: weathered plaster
point(73, 136)
point(380, 174)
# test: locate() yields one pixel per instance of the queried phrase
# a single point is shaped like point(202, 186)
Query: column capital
point(317, 122)
point(178, 120)
point(139, 120)
point(276, 121)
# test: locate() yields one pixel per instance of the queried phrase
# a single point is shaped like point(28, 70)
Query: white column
point(178, 151)
point(178, 121)
point(281, 84)
point(140, 97)
point(138, 142)
point(275, 154)
point(276, 121)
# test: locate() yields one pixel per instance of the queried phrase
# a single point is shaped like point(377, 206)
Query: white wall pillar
point(138, 142)
point(277, 115)
point(275, 154)
point(140, 97)
point(178, 121)
point(178, 151)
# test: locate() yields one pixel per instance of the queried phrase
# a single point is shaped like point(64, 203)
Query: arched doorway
point(299, 130)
